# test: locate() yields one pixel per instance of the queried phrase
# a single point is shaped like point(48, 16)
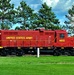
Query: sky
point(59, 7)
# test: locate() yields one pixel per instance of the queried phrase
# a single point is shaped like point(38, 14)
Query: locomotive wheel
point(57, 53)
point(3, 53)
point(12, 52)
point(19, 53)
point(67, 53)
point(72, 53)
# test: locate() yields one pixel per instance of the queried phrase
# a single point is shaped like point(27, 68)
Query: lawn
point(31, 65)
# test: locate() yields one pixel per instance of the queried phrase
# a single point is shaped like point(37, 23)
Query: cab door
point(61, 38)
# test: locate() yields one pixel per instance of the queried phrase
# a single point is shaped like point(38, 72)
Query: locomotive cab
point(60, 38)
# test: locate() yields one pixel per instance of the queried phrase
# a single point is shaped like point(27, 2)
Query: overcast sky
point(60, 7)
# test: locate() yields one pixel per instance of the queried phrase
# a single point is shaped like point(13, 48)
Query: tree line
point(26, 18)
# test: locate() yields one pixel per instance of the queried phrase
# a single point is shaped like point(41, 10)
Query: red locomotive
point(19, 42)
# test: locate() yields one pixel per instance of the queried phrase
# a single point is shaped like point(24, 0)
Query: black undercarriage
point(50, 51)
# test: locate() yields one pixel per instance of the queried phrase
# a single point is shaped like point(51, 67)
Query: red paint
point(35, 38)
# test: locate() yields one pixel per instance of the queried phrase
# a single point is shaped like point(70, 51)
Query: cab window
point(62, 35)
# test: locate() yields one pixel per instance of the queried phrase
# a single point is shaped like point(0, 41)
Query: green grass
point(31, 65)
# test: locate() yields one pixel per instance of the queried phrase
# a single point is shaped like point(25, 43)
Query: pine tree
point(25, 16)
point(7, 14)
point(70, 22)
point(47, 18)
